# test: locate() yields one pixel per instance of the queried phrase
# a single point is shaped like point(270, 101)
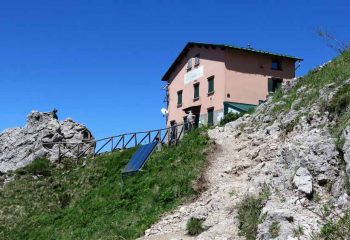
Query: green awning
point(240, 107)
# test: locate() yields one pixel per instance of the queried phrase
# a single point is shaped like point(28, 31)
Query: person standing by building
point(190, 120)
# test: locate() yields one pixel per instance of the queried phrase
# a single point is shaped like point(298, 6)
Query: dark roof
point(191, 44)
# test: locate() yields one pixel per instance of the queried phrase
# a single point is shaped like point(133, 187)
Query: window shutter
point(270, 85)
point(196, 91)
point(211, 116)
point(179, 98)
point(210, 85)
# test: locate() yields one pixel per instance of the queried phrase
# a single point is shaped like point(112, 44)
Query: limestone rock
point(20, 146)
point(303, 181)
point(346, 149)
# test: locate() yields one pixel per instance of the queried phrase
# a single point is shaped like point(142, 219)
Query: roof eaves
point(189, 44)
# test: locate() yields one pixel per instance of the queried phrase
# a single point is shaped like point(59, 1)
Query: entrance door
point(196, 110)
point(274, 84)
point(210, 116)
point(185, 123)
point(196, 121)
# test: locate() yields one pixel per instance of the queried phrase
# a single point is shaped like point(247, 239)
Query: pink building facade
point(211, 80)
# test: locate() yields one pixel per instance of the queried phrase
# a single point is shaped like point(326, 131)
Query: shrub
point(274, 229)
point(230, 117)
point(194, 226)
point(40, 166)
point(233, 116)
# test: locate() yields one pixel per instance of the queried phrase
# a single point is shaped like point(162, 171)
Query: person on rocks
point(54, 113)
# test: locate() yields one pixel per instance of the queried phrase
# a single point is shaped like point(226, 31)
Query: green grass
point(274, 229)
point(335, 229)
point(248, 213)
point(336, 72)
point(194, 226)
point(339, 109)
point(40, 166)
point(89, 202)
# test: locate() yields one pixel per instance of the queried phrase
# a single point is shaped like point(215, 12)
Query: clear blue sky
point(100, 62)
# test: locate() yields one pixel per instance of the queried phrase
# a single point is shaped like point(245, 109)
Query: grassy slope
point(337, 71)
point(89, 202)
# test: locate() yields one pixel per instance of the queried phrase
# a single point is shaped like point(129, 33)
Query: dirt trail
point(227, 176)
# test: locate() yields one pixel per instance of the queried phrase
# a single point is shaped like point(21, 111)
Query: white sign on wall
point(194, 74)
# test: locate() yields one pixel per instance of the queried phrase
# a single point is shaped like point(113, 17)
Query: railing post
point(112, 145)
point(149, 137)
point(135, 139)
point(123, 141)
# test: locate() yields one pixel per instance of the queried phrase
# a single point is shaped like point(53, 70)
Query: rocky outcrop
point(346, 149)
point(20, 146)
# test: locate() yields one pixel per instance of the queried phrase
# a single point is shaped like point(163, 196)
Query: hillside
point(281, 172)
point(87, 200)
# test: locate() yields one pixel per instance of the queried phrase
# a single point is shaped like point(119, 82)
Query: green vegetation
point(40, 166)
point(339, 109)
point(249, 211)
point(90, 202)
point(274, 229)
point(298, 232)
point(337, 71)
point(194, 226)
point(232, 116)
point(335, 229)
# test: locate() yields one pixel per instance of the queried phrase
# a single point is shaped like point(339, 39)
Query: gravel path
point(227, 183)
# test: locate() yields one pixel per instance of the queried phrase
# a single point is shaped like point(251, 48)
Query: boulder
point(20, 146)
point(303, 181)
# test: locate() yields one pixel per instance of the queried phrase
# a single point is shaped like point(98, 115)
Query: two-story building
point(213, 79)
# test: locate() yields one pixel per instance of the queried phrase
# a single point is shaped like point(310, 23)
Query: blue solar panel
point(139, 158)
